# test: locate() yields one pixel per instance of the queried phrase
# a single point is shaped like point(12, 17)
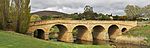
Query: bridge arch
point(123, 29)
point(81, 33)
point(39, 33)
point(58, 29)
point(97, 32)
point(113, 31)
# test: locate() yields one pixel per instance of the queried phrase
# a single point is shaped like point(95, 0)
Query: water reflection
point(126, 45)
point(100, 42)
point(83, 42)
point(111, 43)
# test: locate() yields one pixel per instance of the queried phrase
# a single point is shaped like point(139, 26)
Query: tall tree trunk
point(4, 14)
point(1, 13)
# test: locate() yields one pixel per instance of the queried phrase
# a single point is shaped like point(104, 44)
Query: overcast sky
point(116, 7)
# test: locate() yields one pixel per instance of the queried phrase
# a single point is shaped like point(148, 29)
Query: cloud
point(116, 7)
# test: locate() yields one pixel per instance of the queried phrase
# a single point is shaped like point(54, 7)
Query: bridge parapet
point(127, 23)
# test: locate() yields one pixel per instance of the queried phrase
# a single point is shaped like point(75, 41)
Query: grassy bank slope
point(15, 40)
point(141, 31)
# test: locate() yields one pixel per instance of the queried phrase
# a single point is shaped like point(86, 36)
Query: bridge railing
point(83, 21)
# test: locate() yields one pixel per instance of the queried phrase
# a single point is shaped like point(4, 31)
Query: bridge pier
point(102, 36)
point(87, 36)
point(116, 34)
point(65, 37)
point(46, 36)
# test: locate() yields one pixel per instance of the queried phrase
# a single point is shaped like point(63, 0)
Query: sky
point(116, 7)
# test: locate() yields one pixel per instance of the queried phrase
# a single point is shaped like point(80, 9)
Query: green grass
point(141, 31)
point(15, 40)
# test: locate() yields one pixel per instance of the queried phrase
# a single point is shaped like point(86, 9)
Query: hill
point(14, 40)
point(54, 14)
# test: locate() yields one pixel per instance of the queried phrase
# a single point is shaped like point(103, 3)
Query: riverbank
point(10, 39)
point(140, 31)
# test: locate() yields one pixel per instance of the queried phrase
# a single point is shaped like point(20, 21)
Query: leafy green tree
point(88, 8)
point(105, 18)
point(116, 17)
point(80, 16)
point(46, 17)
point(100, 16)
point(35, 18)
point(75, 16)
point(23, 14)
point(12, 18)
point(95, 16)
point(89, 14)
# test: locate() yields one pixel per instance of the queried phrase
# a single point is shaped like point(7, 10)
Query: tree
point(123, 18)
point(132, 11)
point(35, 18)
point(15, 15)
point(89, 14)
point(46, 17)
point(105, 17)
point(1, 13)
point(146, 11)
point(12, 18)
point(4, 10)
point(75, 16)
point(116, 17)
point(95, 16)
point(88, 8)
point(81, 16)
point(23, 16)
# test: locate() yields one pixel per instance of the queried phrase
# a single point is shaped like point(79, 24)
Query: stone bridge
point(87, 30)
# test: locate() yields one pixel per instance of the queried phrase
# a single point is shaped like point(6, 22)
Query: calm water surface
point(114, 45)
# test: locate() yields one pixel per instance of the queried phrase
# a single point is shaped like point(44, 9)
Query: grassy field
point(15, 40)
point(141, 31)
